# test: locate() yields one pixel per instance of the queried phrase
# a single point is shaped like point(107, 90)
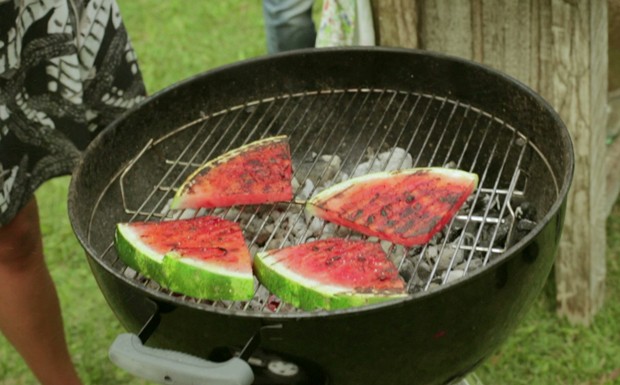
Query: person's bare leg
point(30, 316)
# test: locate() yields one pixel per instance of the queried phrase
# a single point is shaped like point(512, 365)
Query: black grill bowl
point(433, 336)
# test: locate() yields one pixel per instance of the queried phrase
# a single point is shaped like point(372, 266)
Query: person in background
point(67, 69)
point(288, 24)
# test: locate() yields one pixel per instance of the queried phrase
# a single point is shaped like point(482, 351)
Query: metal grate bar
point(443, 133)
point(458, 129)
point(506, 204)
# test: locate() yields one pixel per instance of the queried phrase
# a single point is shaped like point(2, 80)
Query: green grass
point(175, 39)
point(548, 350)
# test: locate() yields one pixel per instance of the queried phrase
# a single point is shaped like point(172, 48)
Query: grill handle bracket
point(154, 320)
point(171, 367)
point(255, 341)
point(149, 327)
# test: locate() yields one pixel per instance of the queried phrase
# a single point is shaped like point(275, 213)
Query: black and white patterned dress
point(67, 69)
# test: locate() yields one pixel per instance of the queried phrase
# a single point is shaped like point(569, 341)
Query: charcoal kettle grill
point(468, 288)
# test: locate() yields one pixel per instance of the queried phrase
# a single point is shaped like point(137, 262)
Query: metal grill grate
point(362, 127)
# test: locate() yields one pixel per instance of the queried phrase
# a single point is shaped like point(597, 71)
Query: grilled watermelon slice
point(330, 274)
point(259, 172)
point(405, 207)
point(204, 257)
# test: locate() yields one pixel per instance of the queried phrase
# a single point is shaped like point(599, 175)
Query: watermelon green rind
point(137, 255)
point(203, 280)
point(308, 294)
point(183, 198)
point(449, 172)
point(317, 205)
point(186, 274)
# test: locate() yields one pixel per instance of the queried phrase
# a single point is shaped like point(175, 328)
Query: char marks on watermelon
point(330, 274)
point(405, 207)
point(204, 257)
point(256, 173)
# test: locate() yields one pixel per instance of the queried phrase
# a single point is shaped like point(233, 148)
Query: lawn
point(175, 39)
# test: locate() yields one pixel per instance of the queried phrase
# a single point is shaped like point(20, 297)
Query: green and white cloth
point(346, 23)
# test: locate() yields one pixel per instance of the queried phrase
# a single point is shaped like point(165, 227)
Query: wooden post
point(559, 48)
point(395, 31)
point(613, 123)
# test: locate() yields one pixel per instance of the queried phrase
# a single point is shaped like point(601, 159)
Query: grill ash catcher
point(345, 111)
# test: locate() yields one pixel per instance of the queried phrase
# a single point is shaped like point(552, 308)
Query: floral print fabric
point(67, 69)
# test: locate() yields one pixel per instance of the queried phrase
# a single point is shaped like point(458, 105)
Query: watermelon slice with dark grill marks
point(406, 207)
point(329, 274)
point(256, 173)
point(204, 257)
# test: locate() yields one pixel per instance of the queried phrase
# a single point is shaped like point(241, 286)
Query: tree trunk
point(558, 48)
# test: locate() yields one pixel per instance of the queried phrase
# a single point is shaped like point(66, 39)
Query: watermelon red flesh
point(257, 173)
point(206, 238)
point(205, 257)
point(330, 274)
point(406, 207)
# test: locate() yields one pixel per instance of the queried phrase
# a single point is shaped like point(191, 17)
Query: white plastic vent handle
point(171, 367)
